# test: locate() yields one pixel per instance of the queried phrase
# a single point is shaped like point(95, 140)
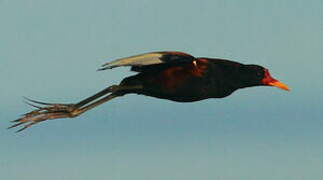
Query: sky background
point(50, 50)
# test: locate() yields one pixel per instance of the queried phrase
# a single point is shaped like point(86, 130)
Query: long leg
point(46, 111)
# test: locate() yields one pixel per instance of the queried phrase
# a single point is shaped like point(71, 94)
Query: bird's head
point(256, 75)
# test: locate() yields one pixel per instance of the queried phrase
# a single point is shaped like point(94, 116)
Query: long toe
point(43, 112)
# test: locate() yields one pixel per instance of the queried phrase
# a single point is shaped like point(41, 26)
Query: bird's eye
point(259, 74)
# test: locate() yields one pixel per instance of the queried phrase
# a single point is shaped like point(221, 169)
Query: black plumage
point(168, 75)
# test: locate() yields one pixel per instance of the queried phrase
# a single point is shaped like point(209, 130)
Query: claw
point(17, 120)
point(26, 126)
point(37, 102)
point(15, 125)
point(33, 105)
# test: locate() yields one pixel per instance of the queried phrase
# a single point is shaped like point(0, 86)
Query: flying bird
point(171, 75)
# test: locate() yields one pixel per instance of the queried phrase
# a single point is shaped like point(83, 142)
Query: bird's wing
point(166, 57)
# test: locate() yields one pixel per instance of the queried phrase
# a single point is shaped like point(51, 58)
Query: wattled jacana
point(169, 75)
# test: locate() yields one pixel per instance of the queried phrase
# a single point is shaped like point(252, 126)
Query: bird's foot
point(43, 112)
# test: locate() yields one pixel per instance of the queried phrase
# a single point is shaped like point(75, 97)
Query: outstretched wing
point(153, 58)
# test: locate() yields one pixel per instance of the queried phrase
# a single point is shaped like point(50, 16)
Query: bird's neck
point(236, 79)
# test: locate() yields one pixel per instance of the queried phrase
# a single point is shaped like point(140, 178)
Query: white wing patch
point(139, 60)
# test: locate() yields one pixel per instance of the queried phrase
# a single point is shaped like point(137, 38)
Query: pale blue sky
point(50, 50)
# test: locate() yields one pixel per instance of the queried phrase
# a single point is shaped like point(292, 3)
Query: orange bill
point(279, 85)
point(270, 81)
